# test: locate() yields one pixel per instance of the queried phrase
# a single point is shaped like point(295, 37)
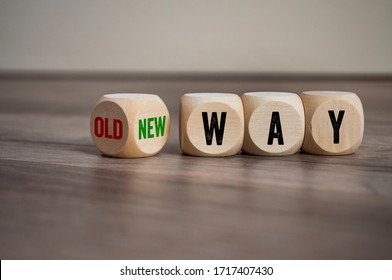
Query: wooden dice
point(221, 124)
point(334, 122)
point(211, 124)
point(130, 125)
point(274, 123)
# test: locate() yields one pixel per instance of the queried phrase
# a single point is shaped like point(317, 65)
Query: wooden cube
point(130, 125)
point(334, 122)
point(274, 123)
point(211, 124)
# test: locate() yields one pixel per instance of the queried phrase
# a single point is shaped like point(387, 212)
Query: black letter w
point(209, 130)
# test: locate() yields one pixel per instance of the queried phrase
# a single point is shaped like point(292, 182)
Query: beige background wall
point(338, 36)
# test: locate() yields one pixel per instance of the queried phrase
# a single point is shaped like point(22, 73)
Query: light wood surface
point(211, 124)
point(130, 125)
point(274, 123)
point(60, 198)
point(334, 122)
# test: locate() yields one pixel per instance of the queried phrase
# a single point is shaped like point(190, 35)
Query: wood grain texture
point(211, 124)
point(274, 123)
point(334, 122)
point(130, 125)
point(60, 199)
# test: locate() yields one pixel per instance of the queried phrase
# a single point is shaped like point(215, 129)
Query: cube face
point(130, 125)
point(334, 122)
point(109, 127)
point(151, 127)
point(274, 123)
point(211, 124)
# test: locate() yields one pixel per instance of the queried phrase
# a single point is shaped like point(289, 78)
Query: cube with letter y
point(130, 125)
point(334, 122)
point(211, 124)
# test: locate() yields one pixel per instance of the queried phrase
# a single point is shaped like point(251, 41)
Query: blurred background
point(60, 199)
point(181, 36)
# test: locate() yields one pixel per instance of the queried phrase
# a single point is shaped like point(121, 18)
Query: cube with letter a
point(274, 123)
point(130, 125)
point(211, 124)
point(334, 122)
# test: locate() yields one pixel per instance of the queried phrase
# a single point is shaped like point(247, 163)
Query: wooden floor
point(60, 199)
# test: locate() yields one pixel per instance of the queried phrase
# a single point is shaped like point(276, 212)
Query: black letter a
point(336, 124)
point(209, 130)
point(275, 121)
